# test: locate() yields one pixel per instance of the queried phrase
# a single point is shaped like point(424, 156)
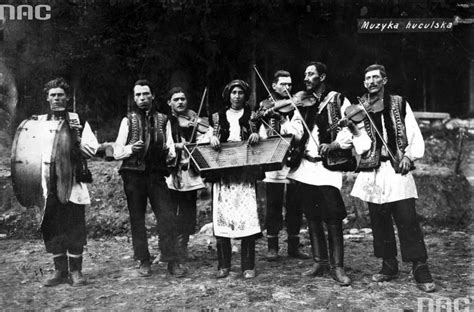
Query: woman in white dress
point(234, 196)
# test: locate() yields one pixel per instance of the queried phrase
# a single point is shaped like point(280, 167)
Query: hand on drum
point(138, 147)
point(75, 125)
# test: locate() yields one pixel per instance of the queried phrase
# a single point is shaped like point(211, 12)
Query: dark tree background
point(102, 47)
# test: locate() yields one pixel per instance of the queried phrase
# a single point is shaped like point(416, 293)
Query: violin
point(191, 119)
point(356, 113)
point(300, 99)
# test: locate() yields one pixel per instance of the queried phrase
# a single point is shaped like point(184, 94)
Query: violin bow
point(305, 125)
point(271, 97)
point(281, 137)
point(199, 112)
point(196, 124)
point(263, 82)
point(376, 129)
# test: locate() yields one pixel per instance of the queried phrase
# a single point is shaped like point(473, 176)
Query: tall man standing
point(387, 185)
point(320, 181)
point(184, 181)
point(146, 146)
point(64, 225)
point(276, 180)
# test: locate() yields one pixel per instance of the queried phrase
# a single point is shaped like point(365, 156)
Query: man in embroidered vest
point(319, 175)
point(64, 225)
point(386, 183)
point(276, 180)
point(146, 146)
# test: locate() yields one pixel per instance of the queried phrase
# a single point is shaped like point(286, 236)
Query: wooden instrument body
point(268, 155)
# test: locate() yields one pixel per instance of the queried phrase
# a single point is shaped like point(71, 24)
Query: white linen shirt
point(122, 150)
point(314, 173)
point(383, 185)
point(89, 145)
point(233, 117)
point(276, 176)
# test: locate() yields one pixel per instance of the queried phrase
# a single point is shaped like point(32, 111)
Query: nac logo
point(40, 12)
point(444, 304)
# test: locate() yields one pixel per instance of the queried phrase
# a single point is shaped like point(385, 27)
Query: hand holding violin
point(271, 113)
point(191, 120)
point(284, 106)
point(344, 122)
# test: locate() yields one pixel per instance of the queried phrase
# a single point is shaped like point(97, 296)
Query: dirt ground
point(114, 285)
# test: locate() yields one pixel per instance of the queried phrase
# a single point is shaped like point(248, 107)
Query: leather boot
point(75, 270)
point(294, 249)
point(60, 274)
point(319, 249)
point(184, 254)
point(422, 276)
point(336, 250)
point(388, 272)
point(177, 269)
point(272, 253)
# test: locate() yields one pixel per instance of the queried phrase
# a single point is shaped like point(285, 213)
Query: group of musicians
point(378, 137)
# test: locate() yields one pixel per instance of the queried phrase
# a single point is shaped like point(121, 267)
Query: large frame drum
point(41, 161)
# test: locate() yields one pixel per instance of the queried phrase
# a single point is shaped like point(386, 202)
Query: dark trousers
point(412, 244)
point(185, 205)
point(274, 218)
point(322, 202)
point(142, 186)
point(64, 227)
point(247, 252)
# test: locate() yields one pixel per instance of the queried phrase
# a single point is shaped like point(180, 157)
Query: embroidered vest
point(222, 127)
point(393, 117)
point(340, 159)
point(151, 130)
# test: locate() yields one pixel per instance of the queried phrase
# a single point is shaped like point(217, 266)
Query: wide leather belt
point(384, 158)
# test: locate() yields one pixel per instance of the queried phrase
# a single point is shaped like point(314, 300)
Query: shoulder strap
point(328, 98)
